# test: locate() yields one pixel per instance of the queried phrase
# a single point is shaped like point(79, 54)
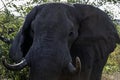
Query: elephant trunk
point(17, 66)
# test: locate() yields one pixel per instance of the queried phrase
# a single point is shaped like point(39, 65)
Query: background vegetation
point(10, 24)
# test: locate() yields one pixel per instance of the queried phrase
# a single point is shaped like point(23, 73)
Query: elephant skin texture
point(64, 42)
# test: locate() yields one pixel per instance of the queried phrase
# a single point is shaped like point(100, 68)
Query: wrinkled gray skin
point(54, 34)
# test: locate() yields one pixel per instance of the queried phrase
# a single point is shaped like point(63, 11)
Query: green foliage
point(118, 28)
point(72, 1)
point(9, 26)
point(21, 9)
point(113, 63)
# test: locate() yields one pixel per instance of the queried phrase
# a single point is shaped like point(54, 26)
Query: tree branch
point(87, 2)
point(5, 40)
point(5, 4)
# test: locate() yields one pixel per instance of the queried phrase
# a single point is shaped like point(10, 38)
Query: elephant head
point(55, 35)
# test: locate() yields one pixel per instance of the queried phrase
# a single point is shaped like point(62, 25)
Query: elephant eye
point(71, 33)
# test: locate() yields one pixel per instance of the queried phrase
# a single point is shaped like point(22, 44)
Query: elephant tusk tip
point(75, 69)
point(78, 64)
point(17, 66)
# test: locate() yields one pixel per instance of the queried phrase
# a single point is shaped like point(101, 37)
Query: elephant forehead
point(53, 21)
point(54, 12)
point(57, 16)
point(54, 8)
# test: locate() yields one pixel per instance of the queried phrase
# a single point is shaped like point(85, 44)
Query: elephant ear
point(23, 39)
point(97, 36)
point(96, 30)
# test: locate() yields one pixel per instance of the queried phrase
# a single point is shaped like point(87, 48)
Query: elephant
point(61, 41)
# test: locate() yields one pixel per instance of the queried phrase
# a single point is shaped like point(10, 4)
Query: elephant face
point(54, 34)
point(56, 25)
